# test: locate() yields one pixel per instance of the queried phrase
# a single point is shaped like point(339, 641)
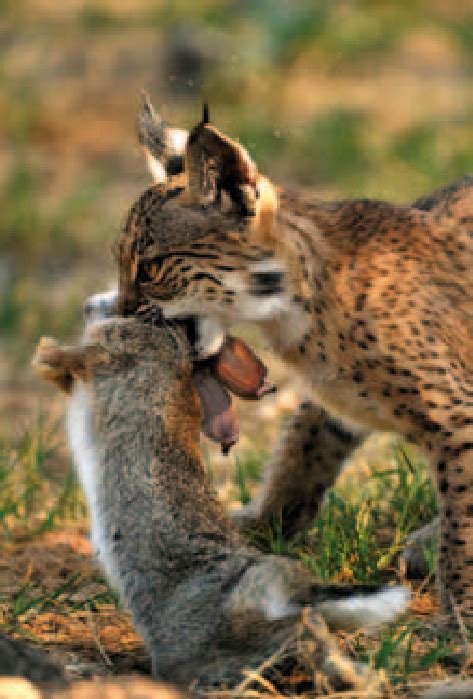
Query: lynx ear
point(150, 127)
point(205, 113)
point(60, 365)
point(163, 146)
point(266, 209)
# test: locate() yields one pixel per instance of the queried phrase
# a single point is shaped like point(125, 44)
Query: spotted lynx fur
point(371, 304)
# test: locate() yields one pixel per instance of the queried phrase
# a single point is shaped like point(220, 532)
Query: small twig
point(355, 694)
point(103, 653)
point(268, 663)
point(254, 676)
point(424, 584)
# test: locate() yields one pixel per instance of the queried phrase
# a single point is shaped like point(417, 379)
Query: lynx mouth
point(237, 370)
point(232, 369)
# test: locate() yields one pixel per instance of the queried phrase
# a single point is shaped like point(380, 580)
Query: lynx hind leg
point(59, 365)
point(455, 550)
point(306, 462)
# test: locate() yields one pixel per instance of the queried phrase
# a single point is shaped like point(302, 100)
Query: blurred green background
point(346, 98)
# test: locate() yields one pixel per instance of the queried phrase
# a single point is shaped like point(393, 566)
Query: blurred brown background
point(368, 98)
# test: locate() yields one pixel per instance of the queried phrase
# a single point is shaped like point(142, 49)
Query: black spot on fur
point(360, 302)
point(443, 485)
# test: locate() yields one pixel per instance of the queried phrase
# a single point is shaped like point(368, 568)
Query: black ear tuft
point(205, 113)
point(146, 102)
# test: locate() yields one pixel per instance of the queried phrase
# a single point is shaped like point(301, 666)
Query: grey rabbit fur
point(206, 603)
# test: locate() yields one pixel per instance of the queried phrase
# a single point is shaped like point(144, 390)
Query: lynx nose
point(267, 283)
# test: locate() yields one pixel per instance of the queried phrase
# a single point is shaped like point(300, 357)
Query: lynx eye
point(267, 283)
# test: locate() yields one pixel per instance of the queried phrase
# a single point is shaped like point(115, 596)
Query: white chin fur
point(273, 307)
point(210, 336)
point(176, 141)
point(366, 611)
point(156, 168)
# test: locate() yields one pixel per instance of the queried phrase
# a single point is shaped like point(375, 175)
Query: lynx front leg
point(414, 554)
point(306, 463)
